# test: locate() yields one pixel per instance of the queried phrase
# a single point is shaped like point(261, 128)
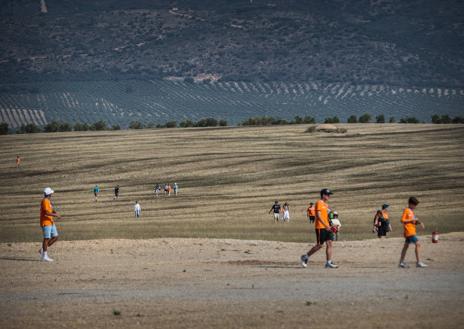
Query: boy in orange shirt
point(311, 212)
point(409, 220)
point(323, 231)
point(50, 233)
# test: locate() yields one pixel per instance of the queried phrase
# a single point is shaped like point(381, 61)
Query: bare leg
point(52, 241)
point(417, 251)
point(314, 249)
point(45, 244)
point(328, 250)
point(403, 252)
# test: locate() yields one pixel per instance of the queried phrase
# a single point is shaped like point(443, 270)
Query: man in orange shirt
point(410, 221)
point(311, 212)
point(323, 231)
point(47, 215)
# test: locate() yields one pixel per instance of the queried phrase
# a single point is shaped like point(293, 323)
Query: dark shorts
point(322, 235)
point(312, 219)
point(411, 239)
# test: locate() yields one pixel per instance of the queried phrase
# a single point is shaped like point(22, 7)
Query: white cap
point(335, 213)
point(48, 191)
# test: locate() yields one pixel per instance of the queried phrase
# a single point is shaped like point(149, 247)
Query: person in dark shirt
point(116, 192)
point(276, 210)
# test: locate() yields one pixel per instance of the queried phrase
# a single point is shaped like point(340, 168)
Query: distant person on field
point(275, 209)
point(176, 188)
point(324, 232)
point(47, 223)
point(157, 189)
point(137, 209)
point(166, 189)
point(311, 212)
point(410, 221)
point(382, 221)
point(286, 212)
point(96, 190)
point(18, 161)
point(116, 192)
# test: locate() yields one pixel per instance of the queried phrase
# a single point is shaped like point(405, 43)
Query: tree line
point(58, 126)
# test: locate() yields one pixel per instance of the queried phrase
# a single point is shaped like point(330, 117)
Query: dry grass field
point(229, 178)
point(181, 265)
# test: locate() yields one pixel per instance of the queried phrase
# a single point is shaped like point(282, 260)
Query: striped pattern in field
point(158, 101)
point(229, 178)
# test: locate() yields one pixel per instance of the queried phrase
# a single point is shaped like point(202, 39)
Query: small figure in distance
point(47, 215)
point(410, 221)
point(166, 189)
point(176, 188)
point(336, 225)
point(18, 161)
point(157, 189)
point(381, 221)
point(286, 212)
point(311, 213)
point(96, 190)
point(116, 192)
point(276, 210)
point(137, 210)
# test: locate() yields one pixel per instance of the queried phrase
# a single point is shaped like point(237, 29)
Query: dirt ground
point(208, 283)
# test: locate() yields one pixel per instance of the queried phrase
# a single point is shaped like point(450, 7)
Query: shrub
point(380, 118)
point(135, 125)
point(458, 120)
point(409, 120)
point(81, 126)
point(365, 118)
point(51, 127)
point(223, 123)
point(4, 128)
point(30, 128)
point(334, 119)
point(311, 129)
point(207, 122)
point(171, 124)
point(116, 127)
point(297, 120)
point(64, 126)
point(352, 119)
point(99, 125)
point(186, 124)
point(309, 119)
point(392, 120)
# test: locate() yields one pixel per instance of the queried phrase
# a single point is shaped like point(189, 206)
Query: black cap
point(326, 191)
point(385, 206)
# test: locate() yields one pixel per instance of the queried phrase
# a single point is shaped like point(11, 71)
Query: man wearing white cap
point(50, 233)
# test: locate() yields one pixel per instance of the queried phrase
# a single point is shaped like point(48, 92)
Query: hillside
point(382, 42)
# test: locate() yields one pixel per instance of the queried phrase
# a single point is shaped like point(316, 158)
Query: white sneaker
point(420, 264)
point(403, 265)
point(304, 260)
point(330, 265)
point(46, 259)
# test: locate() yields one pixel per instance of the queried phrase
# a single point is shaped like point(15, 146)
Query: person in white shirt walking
point(137, 209)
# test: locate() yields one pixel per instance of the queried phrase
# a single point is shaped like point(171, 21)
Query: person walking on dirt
point(47, 223)
point(410, 221)
point(311, 213)
point(323, 231)
point(96, 190)
point(137, 210)
point(176, 188)
point(166, 189)
point(18, 161)
point(286, 212)
point(276, 210)
point(382, 222)
point(116, 192)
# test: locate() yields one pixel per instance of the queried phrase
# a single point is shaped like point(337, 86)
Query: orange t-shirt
point(385, 214)
point(311, 211)
point(46, 207)
point(409, 228)
point(323, 221)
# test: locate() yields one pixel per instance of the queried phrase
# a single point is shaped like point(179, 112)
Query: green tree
point(352, 119)
point(223, 123)
point(380, 118)
point(81, 126)
point(458, 120)
point(334, 119)
point(365, 118)
point(135, 125)
point(392, 120)
point(115, 127)
point(4, 128)
point(186, 124)
point(309, 119)
point(171, 124)
point(30, 128)
point(436, 119)
point(51, 127)
point(64, 126)
point(99, 125)
point(409, 120)
point(298, 120)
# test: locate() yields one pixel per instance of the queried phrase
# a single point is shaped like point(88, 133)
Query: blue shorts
point(411, 239)
point(49, 231)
